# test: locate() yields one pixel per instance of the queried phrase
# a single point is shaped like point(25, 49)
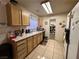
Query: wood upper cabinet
point(25, 19)
point(13, 15)
point(30, 44)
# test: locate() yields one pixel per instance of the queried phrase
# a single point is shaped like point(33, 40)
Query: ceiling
point(58, 6)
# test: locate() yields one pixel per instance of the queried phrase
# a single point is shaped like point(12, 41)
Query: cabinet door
point(22, 54)
point(35, 41)
point(25, 19)
point(41, 35)
point(30, 44)
point(26, 47)
point(39, 39)
point(15, 15)
point(20, 16)
point(21, 49)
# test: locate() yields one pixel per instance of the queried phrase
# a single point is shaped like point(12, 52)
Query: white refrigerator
point(74, 34)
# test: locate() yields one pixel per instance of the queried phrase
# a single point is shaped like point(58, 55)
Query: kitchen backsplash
point(4, 30)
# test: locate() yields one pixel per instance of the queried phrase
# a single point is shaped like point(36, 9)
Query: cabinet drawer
point(21, 42)
point(30, 44)
point(21, 47)
point(22, 54)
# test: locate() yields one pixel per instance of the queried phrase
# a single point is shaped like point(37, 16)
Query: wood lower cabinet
point(19, 49)
point(22, 54)
point(35, 41)
point(38, 38)
point(41, 37)
point(23, 47)
point(30, 44)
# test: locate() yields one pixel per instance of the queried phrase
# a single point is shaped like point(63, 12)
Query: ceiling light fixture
point(47, 7)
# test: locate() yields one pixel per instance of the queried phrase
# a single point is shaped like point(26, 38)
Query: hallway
point(52, 50)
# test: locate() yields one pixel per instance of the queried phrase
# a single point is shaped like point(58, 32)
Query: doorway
point(52, 25)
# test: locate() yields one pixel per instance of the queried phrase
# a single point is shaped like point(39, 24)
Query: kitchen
point(25, 27)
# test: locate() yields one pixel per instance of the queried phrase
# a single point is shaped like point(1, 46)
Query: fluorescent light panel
point(47, 7)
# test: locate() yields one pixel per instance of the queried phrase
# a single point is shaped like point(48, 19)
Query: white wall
point(46, 27)
point(59, 31)
point(2, 20)
point(74, 34)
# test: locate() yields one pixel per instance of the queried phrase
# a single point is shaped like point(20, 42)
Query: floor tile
point(37, 56)
point(48, 55)
point(50, 44)
point(56, 56)
point(52, 50)
point(31, 54)
point(58, 52)
point(26, 58)
point(41, 50)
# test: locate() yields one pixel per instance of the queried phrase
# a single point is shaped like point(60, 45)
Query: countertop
point(18, 38)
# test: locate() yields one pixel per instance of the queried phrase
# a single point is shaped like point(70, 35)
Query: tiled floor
point(52, 50)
